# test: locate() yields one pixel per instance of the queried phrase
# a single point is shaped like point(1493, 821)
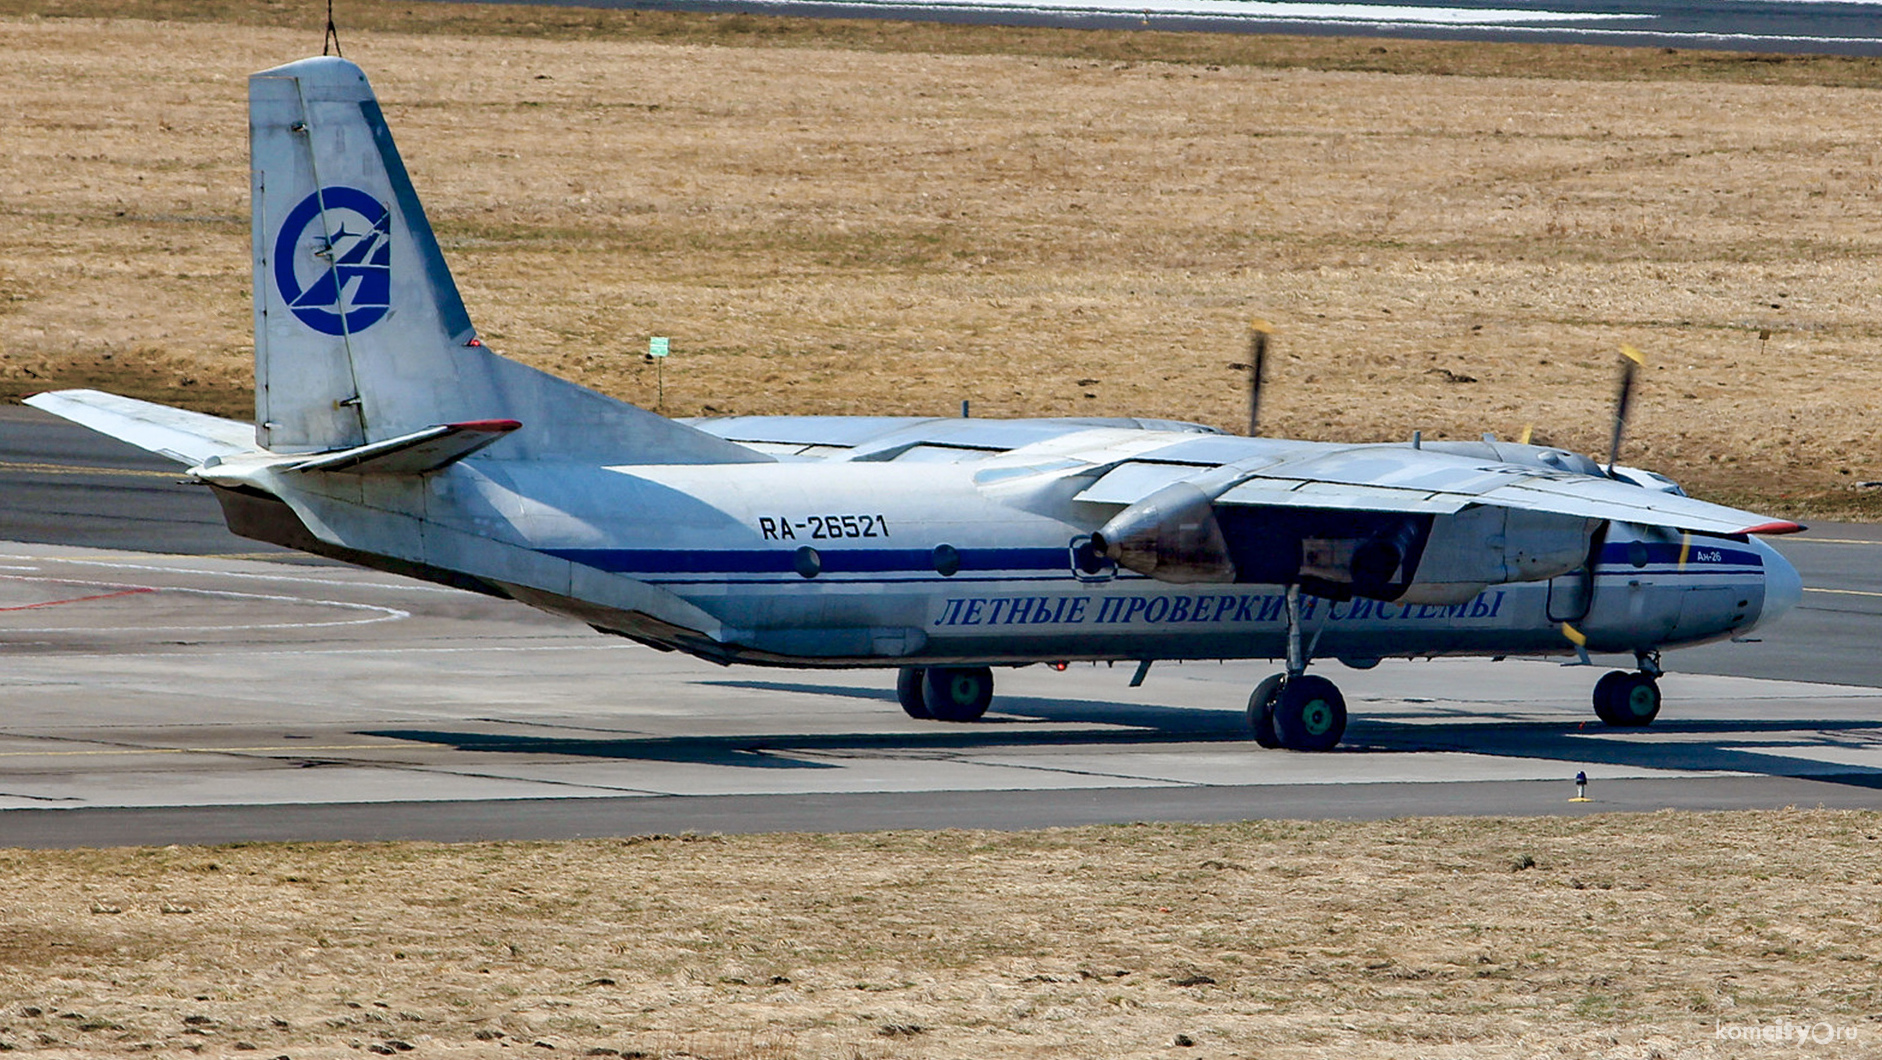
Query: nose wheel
point(1627, 700)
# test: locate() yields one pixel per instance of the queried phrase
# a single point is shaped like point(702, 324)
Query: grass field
point(880, 217)
point(1609, 936)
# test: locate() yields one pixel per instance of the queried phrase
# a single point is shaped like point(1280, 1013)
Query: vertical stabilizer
point(360, 335)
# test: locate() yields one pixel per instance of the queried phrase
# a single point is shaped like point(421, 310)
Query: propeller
point(1258, 333)
point(1631, 361)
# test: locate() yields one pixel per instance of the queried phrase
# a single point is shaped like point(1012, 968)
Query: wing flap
point(1341, 496)
point(1134, 480)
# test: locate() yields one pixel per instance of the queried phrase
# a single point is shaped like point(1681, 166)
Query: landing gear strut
point(944, 693)
point(1297, 710)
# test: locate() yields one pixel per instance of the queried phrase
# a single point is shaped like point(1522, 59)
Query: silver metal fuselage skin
point(834, 563)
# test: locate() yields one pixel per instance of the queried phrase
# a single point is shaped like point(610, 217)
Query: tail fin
point(360, 335)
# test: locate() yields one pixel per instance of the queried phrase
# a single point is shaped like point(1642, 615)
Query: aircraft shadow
point(1017, 721)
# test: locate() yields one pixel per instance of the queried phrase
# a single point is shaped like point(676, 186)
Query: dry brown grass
point(876, 217)
point(1630, 936)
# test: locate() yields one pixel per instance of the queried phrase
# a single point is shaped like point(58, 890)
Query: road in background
point(1780, 27)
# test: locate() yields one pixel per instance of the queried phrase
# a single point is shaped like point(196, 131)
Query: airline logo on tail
point(333, 260)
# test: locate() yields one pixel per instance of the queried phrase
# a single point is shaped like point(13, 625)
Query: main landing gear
point(1297, 710)
point(945, 693)
point(1630, 700)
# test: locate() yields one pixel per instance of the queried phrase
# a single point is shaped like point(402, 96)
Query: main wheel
point(957, 693)
point(1310, 714)
point(1261, 710)
point(908, 682)
point(1632, 699)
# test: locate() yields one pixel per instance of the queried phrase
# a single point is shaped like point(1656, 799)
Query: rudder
point(360, 334)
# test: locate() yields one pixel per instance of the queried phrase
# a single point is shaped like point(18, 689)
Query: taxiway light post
point(657, 353)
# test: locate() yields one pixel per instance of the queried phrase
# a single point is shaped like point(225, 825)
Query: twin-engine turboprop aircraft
point(389, 436)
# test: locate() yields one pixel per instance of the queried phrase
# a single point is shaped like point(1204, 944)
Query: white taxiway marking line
point(201, 750)
point(386, 614)
point(79, 469)
point(340, 583)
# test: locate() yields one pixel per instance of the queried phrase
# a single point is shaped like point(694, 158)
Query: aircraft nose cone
point(1783, 586)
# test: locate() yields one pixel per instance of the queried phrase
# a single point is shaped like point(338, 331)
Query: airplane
point(388, 435)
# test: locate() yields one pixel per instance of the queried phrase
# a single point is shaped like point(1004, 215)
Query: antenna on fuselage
point(1258, 333)
point(1631, 360)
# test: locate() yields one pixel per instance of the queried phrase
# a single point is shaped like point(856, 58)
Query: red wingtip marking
point(1779, 527)
point(487, 426)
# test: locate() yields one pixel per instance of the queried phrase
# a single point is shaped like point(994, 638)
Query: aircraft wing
point(1401, 479)
point(189, 438)
point(1135, 458)
point(916, 439)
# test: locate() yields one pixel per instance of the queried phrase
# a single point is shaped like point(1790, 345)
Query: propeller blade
point(1529, 431)
point(1258, 333)
point(1631, 360)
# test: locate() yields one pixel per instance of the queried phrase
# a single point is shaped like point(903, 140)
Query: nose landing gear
point(1630, 700)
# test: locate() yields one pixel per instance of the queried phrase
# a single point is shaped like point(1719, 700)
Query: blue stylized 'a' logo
point(337, 276)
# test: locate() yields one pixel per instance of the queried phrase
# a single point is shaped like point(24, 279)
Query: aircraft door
point(1572, 594)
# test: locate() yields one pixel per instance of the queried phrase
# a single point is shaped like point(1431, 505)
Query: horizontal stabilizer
point(415, 453)
point(189, 438)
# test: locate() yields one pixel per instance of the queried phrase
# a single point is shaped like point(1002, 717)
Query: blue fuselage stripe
point(1023, 564)
point(1700, 552)
point(832, 560)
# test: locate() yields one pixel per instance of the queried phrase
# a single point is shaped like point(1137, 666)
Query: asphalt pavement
point(1782, 27)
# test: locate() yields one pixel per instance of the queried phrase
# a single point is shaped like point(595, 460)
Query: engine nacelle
point(1488, 545)
point(1171, 535)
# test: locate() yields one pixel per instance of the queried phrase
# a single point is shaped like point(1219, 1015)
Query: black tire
point(1310, 714)
point(908, 686)
point(957, 693)
point(1635, 700)
point(1261, 710)
point(1604, 701)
